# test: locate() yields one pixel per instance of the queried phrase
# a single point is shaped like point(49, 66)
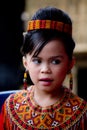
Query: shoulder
point(21, 92)
point(76, 99)
point(78, 104)
point(18, 97)
point(75, 108)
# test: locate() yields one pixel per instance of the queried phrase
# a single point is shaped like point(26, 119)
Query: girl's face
point(49, 68)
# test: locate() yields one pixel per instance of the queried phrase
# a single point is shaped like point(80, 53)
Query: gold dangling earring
point(25, 80)
point(70, 81)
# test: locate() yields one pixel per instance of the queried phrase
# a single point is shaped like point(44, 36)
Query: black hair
point(35, 40)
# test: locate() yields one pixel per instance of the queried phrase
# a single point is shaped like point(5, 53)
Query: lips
point(46, 81)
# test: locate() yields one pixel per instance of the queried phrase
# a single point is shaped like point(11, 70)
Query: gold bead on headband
point(49, 24)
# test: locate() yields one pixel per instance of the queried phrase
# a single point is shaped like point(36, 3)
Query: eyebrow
point(52, 57)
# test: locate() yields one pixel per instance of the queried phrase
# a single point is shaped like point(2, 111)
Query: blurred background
point(14, 16)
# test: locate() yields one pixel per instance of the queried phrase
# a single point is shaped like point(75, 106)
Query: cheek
point(33, 72)
point(59, 76)
point(30, 66)
point(60, 72)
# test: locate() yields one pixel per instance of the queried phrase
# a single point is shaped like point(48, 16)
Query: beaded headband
point(49, 24)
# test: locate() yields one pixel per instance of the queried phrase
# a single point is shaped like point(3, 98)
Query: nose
point(45, 68)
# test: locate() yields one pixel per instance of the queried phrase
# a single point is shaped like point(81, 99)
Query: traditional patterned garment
point(20, 112)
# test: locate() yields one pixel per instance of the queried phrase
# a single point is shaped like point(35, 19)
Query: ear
point(72, 63)
point(24, 60)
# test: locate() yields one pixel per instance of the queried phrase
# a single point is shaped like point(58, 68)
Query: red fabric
point(71, 104)
point(1, 122)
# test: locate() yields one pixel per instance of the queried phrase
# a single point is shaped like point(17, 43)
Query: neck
point(47, 98)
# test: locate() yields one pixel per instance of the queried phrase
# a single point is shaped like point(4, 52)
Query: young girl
point(48, 57)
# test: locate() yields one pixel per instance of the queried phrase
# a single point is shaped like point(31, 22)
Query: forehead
point(53, 47)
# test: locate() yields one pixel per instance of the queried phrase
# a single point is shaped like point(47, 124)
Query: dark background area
point(11, 29)
point(82, 82)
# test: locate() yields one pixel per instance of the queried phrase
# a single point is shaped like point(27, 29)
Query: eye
point(36, 60)
point(56, 61)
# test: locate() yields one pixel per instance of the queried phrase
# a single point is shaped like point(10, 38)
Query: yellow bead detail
point(25, 75)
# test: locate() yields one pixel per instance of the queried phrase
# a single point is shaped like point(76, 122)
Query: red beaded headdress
point(49, 24)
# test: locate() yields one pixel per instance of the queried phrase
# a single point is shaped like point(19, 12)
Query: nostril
point(45, 70)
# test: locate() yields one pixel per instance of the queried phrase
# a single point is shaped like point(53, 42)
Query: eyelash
point(38, 61)
point(56, 62)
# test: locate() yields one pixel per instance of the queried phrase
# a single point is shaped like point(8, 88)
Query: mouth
point(46, 81)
